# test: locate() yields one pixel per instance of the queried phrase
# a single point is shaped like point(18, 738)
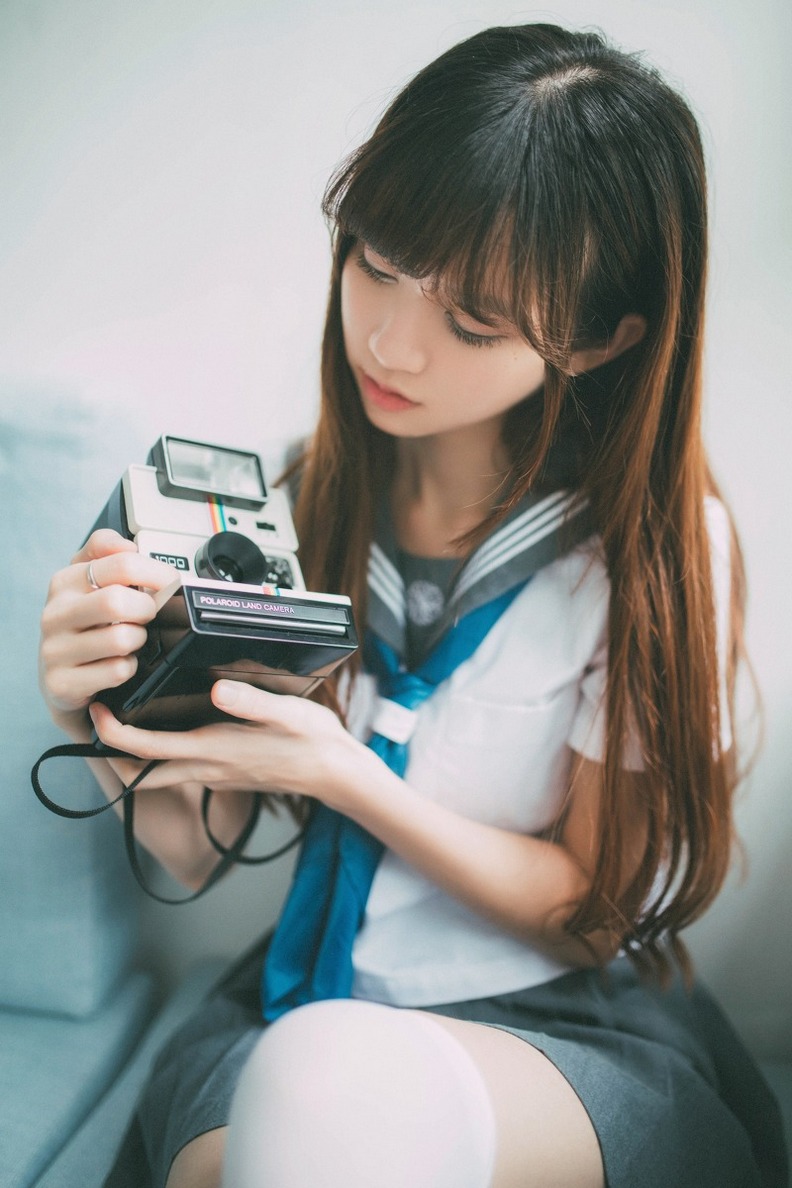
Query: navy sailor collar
point(539, 530)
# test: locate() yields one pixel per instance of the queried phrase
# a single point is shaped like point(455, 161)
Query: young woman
point(477, 979)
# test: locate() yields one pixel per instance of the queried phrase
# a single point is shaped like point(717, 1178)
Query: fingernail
point(226, 693)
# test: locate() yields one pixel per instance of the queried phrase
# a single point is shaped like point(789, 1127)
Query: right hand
point(89, 636)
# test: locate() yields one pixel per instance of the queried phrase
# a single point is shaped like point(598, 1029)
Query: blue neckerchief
point(310, 955)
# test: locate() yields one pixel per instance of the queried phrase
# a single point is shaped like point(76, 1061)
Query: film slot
point(249, 620)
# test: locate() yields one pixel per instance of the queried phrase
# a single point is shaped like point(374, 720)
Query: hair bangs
point(455, 226)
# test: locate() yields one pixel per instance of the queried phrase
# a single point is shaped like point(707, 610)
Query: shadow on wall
point(743, 946)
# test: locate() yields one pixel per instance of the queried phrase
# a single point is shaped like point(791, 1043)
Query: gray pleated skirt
point(675, 1099)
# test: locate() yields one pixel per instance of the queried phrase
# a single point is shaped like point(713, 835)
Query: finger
point(71, 611)
point(103, 543)
point(128, 568)
point(244, 701)
point(75, 687)
point(73, 648)
point(144, 744)
point(129, 769)
point(162, 776)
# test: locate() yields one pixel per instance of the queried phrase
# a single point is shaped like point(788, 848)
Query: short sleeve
point(587, 735)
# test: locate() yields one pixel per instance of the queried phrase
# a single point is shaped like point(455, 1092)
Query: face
point(423, 368)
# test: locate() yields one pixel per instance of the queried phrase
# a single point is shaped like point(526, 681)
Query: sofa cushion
point(54, 1070)
point(67, 918)
point(90, 1152)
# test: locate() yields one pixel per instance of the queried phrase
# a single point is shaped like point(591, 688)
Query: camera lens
point(231, 557)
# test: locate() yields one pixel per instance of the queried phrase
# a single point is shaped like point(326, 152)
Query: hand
point(278, 744)
point(90, 633)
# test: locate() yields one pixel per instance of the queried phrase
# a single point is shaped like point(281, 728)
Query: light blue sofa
point(80, 1015)
point(79, 1020)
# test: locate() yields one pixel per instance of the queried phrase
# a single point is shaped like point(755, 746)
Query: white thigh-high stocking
point(349, 1094)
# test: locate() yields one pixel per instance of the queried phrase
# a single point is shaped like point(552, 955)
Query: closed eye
point(468, 337)
point(365, 266)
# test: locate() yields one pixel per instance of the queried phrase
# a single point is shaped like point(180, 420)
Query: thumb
point(244, 701)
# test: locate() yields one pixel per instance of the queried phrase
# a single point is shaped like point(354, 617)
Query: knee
point(306, 1081)
point(354, 1093)
point(317, 1053)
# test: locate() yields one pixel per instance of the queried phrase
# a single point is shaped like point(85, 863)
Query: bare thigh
point(545, 1136)
point(200, 1163)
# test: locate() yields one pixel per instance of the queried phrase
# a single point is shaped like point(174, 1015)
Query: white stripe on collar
point(386, 581)
point(515, 537)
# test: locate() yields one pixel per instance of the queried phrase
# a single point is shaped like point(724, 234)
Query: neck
point(444, 486)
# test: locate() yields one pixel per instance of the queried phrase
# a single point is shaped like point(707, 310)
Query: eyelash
point(470, 339)
point(462, 335)
point(368, 268)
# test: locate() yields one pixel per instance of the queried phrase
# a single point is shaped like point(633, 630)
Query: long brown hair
point(550, 178)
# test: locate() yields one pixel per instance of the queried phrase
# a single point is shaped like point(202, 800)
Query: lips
point(384, 398)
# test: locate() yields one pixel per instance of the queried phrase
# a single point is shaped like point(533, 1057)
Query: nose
point(397, 339)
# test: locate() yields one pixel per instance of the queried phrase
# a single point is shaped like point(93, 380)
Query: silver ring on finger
point(92, 582)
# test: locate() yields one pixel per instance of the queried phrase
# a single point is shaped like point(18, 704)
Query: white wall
point(162, 253)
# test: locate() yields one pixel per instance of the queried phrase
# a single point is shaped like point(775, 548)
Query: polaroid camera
point(238, 606)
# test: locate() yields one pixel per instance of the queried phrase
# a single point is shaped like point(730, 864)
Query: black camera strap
point(229, 855)
point(244, 859)
point(83, 751)
point(227, 859)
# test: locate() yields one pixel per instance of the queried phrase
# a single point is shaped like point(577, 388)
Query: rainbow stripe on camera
point(217, 515)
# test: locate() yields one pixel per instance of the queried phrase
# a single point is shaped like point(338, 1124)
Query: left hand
point(280, 744)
